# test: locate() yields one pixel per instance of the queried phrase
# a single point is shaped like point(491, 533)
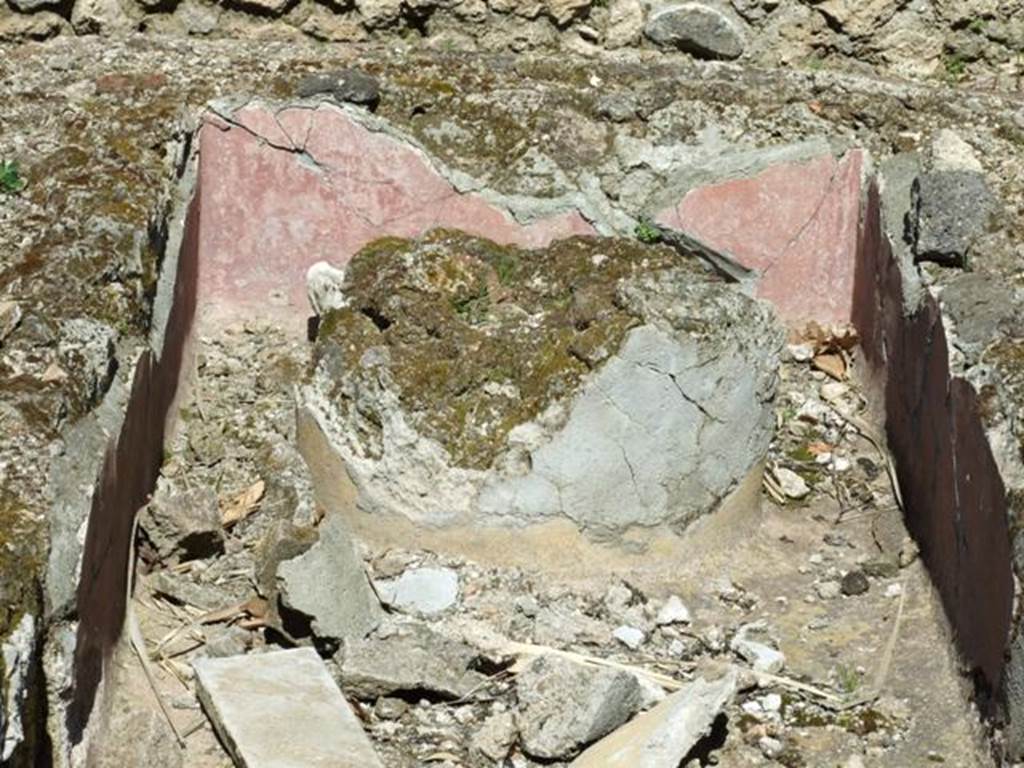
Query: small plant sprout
point(11, 181)
point(646, 232)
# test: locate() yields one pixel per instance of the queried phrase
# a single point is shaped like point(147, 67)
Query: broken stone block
point(604, 381)
point(182, 525)
point(565, 706)
point(949, 211)
point(421, 590)
point(664, 736)
point(411, 658)
point(328, 583)
point(696, 28)
point(250, 699)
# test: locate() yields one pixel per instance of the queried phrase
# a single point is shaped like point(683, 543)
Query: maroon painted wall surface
point(955, 503)
point(129, 475)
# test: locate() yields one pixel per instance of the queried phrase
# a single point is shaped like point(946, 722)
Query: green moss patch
point(481, 337)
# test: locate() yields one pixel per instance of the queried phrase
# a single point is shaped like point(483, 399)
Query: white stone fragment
point(324, 288)
point(421, 590)
point(791, 483)
point(17, 659)
point(800, 353)
point(762, 657)
point(674, 611)
point(631, 637)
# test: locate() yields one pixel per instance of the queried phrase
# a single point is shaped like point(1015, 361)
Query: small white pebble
point(631, 637)
point(800, 353)
point(673, 612)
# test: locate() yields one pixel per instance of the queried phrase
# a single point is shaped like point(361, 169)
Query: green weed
point(646, 232)
point(11, 181)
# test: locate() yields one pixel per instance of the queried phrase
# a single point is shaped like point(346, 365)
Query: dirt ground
point(869, 678)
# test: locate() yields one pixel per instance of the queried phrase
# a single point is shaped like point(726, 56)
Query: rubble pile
point(782, 658)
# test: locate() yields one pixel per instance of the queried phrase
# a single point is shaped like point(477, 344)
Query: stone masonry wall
point(978, 40)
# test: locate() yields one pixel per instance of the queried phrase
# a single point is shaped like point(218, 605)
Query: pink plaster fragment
point(795, 223)
point(268, 214)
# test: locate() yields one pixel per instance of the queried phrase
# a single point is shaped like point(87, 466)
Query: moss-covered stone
point(482, 337)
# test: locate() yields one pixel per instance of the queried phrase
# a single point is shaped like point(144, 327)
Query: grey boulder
point(344, 85)
point(698, 29)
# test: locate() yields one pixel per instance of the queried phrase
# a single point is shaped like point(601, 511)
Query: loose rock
point(182, 525)
point(762, 657)
point(673, 612)
point(421, 590)
point(698, 29)
point(328, 583)
point(494, 738)
point(950, 210)
point(828, 590)
point(855, 583)
point(412, 659)
point(566, 706)
point(631, 637)
point(344, 85)
point(794, 486)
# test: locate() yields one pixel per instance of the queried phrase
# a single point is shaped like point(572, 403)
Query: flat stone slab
point(282, 710)
point(662, 737)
